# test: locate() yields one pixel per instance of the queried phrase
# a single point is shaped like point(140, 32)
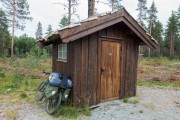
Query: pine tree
point(157, 34)
point(177, 42)
point(171, 34)
point(64, 21)
point(39, 31)
point(17, 12)
point(49, 47)
point(142, 15)
point(177, 13)
point(4, 34)
point(49, 30)
point(142, 9)
point(114, 4)
point(152, 17)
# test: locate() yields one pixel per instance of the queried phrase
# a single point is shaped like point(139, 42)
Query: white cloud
point(48, 13)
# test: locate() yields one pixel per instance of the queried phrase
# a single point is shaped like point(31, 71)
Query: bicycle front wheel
point(53, 104)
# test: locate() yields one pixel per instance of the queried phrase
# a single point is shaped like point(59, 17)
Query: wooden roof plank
point(91, 30)
point(88, 25)
point(137, 33)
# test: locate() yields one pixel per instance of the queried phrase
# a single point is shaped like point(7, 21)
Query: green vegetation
point(141, 111)
point(19, 79)
point(133, 100)
point(68, 112)
point(161, 73)
point(158, 84)
point(125, 100)
point(22, 74)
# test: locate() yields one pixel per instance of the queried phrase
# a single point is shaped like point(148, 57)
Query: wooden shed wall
point(83, 64)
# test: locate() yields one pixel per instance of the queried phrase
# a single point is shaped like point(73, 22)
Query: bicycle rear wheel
point(40, 91)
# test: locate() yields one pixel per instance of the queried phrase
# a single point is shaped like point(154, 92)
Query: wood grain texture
point(85, 60)
point(110, 76)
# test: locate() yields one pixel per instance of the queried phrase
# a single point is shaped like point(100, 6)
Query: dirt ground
point(149, 104)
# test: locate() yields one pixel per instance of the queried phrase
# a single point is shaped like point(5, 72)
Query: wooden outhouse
point(101, 56)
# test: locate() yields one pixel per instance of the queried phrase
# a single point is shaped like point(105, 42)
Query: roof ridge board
point(65, 34)
point(87, 32)
point(89, 19)
point(138, 25)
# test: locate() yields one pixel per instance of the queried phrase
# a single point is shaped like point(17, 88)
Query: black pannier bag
point(60, 80)
point(66, 82)
point(54, 79)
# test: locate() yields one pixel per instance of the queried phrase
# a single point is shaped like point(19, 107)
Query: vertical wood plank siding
point(84, 63)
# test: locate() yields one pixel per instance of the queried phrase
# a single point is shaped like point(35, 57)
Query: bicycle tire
point(53, 104)
point(40, 91)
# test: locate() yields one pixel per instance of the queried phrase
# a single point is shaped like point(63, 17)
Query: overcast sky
point(47, 12)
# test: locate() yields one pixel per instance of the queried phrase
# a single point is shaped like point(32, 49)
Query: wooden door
point(110, 70)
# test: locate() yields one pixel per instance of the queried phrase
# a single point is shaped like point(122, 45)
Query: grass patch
point(133, 100)
point(11, 114)
point(125, 100)
point(141, 111)
point(69, 112)
point(23, 95)
point(31, 98)
point(158, 61)
point(158, 84)
point(15, 100)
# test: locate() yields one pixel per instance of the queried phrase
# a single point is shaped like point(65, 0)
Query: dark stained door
point(110, 70)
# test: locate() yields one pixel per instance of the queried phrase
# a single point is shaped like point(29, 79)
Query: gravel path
point(23, 111)
point(154, 104)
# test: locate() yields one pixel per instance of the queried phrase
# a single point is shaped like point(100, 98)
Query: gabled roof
point(96, 23)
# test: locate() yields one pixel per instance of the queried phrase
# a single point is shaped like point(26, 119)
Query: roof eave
point(48, 39)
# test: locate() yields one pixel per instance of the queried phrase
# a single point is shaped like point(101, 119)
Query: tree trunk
point(159, 51)
point(112, 6)
point(171, 55)
point(149, 52)
point(69, 12)
point(91, 5)
point(150, 31)
point(13, 26)
point(3, 45)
